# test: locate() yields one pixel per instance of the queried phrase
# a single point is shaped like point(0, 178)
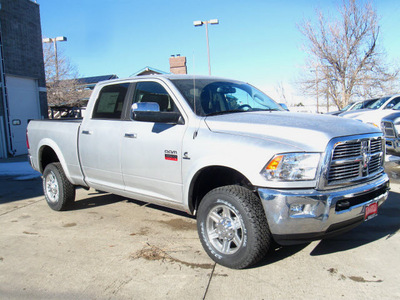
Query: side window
point(154, 92)
point(110, 102)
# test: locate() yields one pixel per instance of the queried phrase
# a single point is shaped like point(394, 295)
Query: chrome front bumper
point(298, 216)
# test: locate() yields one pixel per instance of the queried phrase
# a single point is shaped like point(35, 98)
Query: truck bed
point(59, 134)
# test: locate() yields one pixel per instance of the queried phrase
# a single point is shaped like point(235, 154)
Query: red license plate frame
point(371, 211)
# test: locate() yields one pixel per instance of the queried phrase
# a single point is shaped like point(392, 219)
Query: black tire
point(232, 227)
point(58, 191)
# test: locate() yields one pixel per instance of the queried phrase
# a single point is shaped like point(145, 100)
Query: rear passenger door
point(99, 139)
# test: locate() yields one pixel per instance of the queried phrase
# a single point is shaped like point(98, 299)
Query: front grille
point(388, 129)
point(347, 150)
point(355, 160)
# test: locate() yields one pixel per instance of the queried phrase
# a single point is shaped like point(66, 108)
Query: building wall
point(22, 43)
point(22, 55)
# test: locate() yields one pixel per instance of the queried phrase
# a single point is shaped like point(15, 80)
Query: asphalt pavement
point(110, 247)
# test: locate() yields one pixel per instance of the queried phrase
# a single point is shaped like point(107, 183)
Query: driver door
point(151, 157)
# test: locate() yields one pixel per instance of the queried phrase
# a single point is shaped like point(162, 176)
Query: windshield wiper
point(265, 109)
point(217, 113)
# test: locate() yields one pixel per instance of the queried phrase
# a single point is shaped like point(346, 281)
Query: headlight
point(292, 167)
point(397, 128)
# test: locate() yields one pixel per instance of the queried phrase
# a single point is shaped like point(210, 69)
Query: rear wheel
point(58, 191)
point(232, 227)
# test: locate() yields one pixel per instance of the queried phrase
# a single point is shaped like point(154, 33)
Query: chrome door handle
point(131, 135)
point(86, 132)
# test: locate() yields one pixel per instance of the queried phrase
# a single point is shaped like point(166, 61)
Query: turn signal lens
point(274, 163)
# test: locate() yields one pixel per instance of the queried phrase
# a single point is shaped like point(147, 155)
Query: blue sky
point(256, 41)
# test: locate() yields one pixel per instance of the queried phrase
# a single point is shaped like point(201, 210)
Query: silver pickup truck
point(221, 150)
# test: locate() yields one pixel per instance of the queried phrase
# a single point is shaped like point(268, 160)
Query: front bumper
point(298, 216)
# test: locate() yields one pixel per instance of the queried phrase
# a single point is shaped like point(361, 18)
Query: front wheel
point(232, 227)
point(58, 191)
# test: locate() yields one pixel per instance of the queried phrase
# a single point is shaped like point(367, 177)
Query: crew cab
point(221, 150)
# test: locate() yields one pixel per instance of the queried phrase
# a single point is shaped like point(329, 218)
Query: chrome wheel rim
point(52, 188)
point(225, 229)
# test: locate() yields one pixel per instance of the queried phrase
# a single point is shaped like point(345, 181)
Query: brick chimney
point(177, 64)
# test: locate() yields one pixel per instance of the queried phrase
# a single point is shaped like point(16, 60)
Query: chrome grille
point(355, 160)
point(346, 150)
point(388, 129)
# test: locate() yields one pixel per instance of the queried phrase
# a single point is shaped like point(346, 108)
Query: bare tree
point(280, 91)
point(62, 88)
point(344, 56)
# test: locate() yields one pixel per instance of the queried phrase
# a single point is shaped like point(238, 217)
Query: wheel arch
point(211, 177)
point(49, 153)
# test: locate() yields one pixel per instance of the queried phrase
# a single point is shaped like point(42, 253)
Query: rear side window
point(110, 102)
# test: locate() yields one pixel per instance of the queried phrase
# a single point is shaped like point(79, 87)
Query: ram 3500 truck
point(221, 150)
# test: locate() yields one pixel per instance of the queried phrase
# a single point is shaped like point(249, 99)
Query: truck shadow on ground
point(384, 226)
point(102, 198)
point(97, 199)
point(277, 253)
point(12, 190)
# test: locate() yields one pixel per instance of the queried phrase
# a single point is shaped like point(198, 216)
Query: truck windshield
point(209, 97)
point(378, 103)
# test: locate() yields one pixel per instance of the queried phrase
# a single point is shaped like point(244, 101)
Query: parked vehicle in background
point(219, 149)
point(391, 128)
point(379, 109)
point(354, 106)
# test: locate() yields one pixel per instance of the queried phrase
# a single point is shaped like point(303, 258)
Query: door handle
point(86, 132)
point(131, 135)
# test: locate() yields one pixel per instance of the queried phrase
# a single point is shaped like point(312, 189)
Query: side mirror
point(150, 112)
point(145, 106)
point(389, 106)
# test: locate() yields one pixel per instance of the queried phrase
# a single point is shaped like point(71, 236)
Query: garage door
point(23, 104)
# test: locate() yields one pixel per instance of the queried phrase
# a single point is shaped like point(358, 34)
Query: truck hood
point(303, 132)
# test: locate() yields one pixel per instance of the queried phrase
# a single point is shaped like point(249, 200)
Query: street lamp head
point(214, 21)
point(57, 39)
point(197, 23)
point(61, 39)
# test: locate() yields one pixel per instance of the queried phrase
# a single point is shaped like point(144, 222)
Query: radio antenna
point(194, 87)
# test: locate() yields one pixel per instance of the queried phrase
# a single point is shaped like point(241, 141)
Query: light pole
point(54, 41)
point(200, 23)
point(316, 83)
